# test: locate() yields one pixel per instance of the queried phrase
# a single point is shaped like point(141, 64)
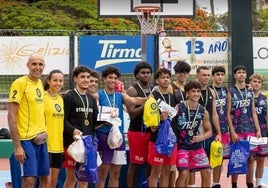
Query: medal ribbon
point(217, 96)
point(180, 90)
point(84, 106)
point(109, 99)
point(143, 89)
point(206, 101)
point(162, 96)
point(243, 99)
point(189, 116)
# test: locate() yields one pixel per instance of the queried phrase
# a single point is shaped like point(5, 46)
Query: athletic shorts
point(111, 156)
point(138, 146)
point(244, 136)
point(225, 140)
point(68, 162)
point(192, 159)
point(55, 160)
point(206, 144)
point(37, 160)
point(262, 150)
point(156, 159)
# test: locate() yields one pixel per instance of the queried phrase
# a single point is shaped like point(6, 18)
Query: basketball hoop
point(148, 17)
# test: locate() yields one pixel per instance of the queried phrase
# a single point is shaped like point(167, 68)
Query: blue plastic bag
point(239, 154)
point(166, 139)
point(88, 171)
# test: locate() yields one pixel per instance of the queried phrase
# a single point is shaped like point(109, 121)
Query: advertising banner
point(260, 55)
point(15, 51)
point(197, 51)
point(124, 52)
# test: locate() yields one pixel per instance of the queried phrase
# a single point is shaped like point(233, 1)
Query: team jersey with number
point(30, 97)
point(54, 113)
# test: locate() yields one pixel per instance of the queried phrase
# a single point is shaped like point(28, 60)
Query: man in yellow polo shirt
point(27, 123)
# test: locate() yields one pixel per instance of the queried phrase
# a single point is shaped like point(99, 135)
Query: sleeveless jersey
point(136, 124)
point(169, 99)
point(206, 101)
point(111, 100)
point(54, 114)
point(30, 97)
point(178, 93)
point(221, 107)
point(241, 110)
point(261, 110)
point(185, 128)
point(74, 115)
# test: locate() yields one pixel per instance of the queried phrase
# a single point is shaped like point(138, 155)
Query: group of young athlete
point(43, 122)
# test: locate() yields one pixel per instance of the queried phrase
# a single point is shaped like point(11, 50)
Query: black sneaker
point(216, 186)
point(250, 185)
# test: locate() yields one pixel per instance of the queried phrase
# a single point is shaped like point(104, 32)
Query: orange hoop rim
point(146, 8)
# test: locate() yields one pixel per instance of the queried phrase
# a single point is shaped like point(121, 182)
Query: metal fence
point(5, 80)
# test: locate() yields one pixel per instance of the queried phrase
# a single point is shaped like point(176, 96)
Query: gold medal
point(86, 122)
point(244, 103)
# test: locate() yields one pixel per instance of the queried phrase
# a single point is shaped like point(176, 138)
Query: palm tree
point(212, 7)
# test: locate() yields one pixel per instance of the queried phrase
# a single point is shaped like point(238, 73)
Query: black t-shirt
point(74, 115)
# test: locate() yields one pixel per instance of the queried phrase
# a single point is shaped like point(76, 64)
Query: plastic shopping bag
point(216, 154)
point(239, 154)
point(88, 171)
point(166, 139)
point(151, 116)
point(77, 150)
point(115, 138)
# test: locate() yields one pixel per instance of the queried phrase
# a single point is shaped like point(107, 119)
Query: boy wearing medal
point(242, 118)
point(112, 159)
point(161, 164)
point(208, 100)
point(218, 73)
point(261, 106)
point(80, 117)
point(191, 155)
point(138, 137)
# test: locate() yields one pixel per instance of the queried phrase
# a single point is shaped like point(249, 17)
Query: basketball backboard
point(125, 8)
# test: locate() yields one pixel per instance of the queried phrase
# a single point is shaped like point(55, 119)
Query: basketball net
point(148, 17)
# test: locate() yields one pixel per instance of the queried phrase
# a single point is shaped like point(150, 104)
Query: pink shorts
point(262, 150)
point(68, 162)
point(192, 159)
point(138, 143)
point(156, 159)
point(225, 140)
point(244, 136)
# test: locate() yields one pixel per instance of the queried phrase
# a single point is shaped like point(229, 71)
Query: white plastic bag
point(77, 150)
point(115, 138)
